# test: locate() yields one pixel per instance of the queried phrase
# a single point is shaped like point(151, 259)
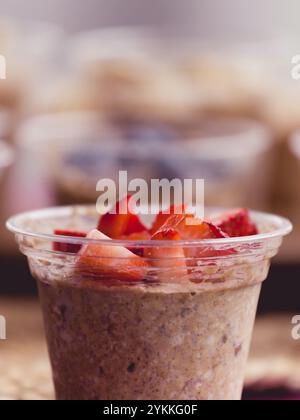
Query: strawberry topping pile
point(112, 261)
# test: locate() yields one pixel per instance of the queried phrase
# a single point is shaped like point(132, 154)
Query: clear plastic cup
point(165, 326)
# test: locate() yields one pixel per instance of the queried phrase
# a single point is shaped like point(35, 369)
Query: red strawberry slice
point(236, 223)
point(111, 263)
point(167, 234)
point(162, 217)
point(190, 228)
point(193, 228)
point(68, 247)
point(170, 261)
point(117, 225)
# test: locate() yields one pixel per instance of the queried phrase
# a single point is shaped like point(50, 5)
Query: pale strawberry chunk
point(170, 261)
point(162, 217)
point(110, 261)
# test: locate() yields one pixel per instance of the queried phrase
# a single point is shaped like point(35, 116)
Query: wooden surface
point(25, 371)
point(24, 367)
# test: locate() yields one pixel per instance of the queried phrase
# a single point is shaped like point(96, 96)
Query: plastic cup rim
point(14, 224)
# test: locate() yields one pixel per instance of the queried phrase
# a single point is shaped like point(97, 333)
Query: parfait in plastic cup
point(148, 313)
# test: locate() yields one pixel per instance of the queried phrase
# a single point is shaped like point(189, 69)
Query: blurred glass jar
point(7, 124)
point(228, 153)
point(151, 74)
point(64, 92)
point(68, 152)
point(282, 110)
point(282, 114)
point(237, 77)
point(141, 151)
point(235, 158)
point(289, 203)
point(31, 49)
point(42, 144)
point(228, 79)
point(294, 149)
point(6, 160)
point(282, 93)
point(133, 76)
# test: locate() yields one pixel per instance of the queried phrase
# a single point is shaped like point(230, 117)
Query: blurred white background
point(209, 17)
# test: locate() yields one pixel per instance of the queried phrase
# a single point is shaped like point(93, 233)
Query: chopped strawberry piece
point(216, 231)
point(134, 225)
point(169, 260)
point(76, 234)
point(110, 262)
point(162, 217)
point(68, 247)
point(194, 228)
point(117, 225)
point(189, 227)
point(236, 223)
point(168, 234)
point(139, 236)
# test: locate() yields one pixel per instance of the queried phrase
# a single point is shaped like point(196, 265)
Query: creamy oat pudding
point(133, 312)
